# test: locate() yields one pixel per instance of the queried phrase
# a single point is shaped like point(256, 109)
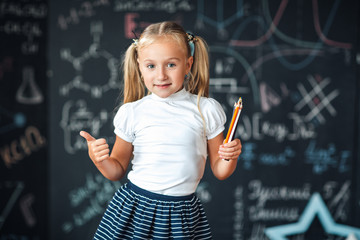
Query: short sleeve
point(215, 117)
point(123, 123)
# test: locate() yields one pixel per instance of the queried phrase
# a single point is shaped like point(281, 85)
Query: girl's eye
point(150, 66)
point(171, 65)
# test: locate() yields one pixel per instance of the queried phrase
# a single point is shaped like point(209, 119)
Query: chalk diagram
point(306, 51)
point(76, 117)
point(220, 23)
point(95, 52)
point(316, 100)
point(29, 92)
point(224, 67)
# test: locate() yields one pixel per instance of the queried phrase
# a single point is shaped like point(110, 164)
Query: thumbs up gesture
point(98, 148)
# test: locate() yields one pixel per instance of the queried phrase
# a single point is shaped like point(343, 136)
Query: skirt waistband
point(157, 196)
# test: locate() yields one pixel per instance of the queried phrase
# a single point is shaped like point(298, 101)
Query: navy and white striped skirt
point(135, 213)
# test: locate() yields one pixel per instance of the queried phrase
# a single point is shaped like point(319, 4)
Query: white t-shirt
point(170, 148)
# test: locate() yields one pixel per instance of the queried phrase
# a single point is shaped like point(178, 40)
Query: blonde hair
point(198, 81)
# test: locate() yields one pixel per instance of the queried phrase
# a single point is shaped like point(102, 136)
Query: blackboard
point(292, 62)
point(23, 120)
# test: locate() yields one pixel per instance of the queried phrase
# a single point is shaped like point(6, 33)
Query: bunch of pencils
point(234, 120)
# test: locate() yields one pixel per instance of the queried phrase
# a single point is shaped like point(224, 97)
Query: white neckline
point(173, 97)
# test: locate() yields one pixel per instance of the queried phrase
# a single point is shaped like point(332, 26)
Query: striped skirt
point(135, 213)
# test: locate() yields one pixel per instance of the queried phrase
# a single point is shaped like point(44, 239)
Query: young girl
point(168, 127)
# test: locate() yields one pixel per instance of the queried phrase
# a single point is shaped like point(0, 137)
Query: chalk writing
point(27, 29)
point(257, 232)
point(324, 158)
point(238, 226)
point(329, 189)
point(341, 201)
point(249, 156)
point(30, 47)
point(169, 6)
point(222, 80)
point(257, 128)
point(224, 65)
point(89, 200)
point(227, 85)
point(257, 213)
point(85, 10)
point(26, 209)
point(218, 52)
point(24, 9)
point(262, 193)
point(269, 98)
point(76, 117)
point(18, 149)
point(279, 159)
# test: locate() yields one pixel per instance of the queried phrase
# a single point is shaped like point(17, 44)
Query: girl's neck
point(173, 97)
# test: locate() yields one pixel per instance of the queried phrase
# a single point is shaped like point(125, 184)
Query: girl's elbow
point(222, 176)
point(113, 177)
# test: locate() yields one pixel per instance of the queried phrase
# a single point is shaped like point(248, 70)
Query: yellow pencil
point(234, 121)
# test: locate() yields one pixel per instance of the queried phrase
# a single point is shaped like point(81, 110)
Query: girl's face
point(163, 65)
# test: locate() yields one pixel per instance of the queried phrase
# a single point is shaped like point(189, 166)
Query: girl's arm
point(218, 151)
point(112, 166)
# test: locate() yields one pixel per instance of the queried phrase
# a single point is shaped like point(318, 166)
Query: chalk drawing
point(76, 116)
point(17, 188)
point(322, 159)
point(95, 52)
point(315, 207)
point(29, 92)
point(315, 99)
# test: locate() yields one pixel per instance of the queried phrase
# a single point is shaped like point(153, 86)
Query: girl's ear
point(189, 63)
point(138, 65)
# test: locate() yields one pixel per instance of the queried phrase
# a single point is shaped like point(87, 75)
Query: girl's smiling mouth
point(162, 85)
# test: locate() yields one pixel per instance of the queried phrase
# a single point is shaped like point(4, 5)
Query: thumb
point(87, 136)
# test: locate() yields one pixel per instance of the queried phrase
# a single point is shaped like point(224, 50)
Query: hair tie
point(191, 40)
point(136, 39)
point(135, 42)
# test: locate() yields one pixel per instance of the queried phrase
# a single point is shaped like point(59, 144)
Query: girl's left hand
point(230, 150)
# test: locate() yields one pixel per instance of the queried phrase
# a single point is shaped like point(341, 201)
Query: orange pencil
point(234, 121)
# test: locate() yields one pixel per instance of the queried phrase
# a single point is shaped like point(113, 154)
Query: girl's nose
point(162, 73)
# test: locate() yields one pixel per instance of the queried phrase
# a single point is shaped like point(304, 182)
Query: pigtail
point(134, 87)
point(200, 77)
point(199, 80)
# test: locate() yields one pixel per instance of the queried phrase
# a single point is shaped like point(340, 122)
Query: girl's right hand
point(98, 148)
